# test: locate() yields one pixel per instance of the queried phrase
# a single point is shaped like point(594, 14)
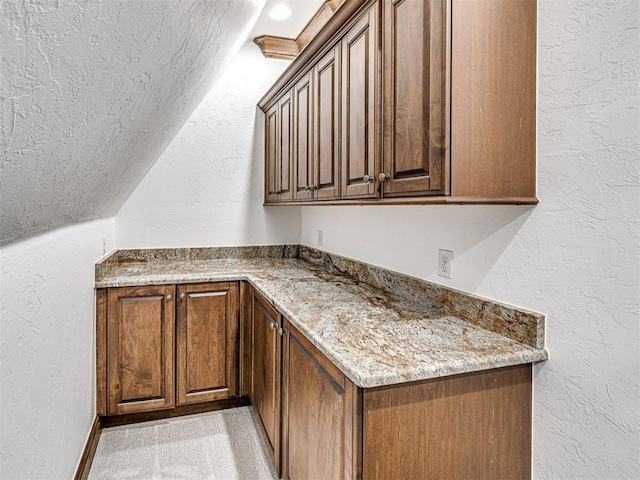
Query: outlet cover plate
point(445, 257)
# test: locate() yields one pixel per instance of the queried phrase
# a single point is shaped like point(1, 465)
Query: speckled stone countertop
point(376, 337)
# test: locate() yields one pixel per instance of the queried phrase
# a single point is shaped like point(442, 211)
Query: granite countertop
point(375, 337)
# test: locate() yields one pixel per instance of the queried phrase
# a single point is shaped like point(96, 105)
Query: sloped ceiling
point(92, 92)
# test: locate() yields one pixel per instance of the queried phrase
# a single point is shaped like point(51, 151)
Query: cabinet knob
point(368, 179)
point(273, 325)
point(313, 187)
point(182, 296)
point(281, 331)
point(306, 188)
point(169, 297)
point(383, 177)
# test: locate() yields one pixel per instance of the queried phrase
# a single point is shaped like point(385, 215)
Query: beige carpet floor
point(224, 445)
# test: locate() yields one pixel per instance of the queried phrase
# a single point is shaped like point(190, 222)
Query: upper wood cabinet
point(272, 152)
point(303, 149)
point(360, 143)
point(414, 96)
point(436, 102)
point(279, 126)
point(156, 351)
point(326, 145)
point(316, 156)
point(493, 99)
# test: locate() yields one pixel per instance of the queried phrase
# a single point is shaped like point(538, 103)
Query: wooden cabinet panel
point(207, 342)
point(303, 139)
point(493, 98)
point(140, 342)
point(284, 169)
point(326, 79)
point(318, 424)
point(266, 373)
point(272, 151)
point(475, 425)
point(414, 96)
point(360, 106)
point(246, 300)
point(101, 351)
point(279, 150)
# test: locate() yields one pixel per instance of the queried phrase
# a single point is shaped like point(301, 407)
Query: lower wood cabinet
point(319, 425)
point(266, 372)
point(169, 347)
point(156, 351)
point(470, 426)
point(140, 349)
point(319, 413)
point(207, 342)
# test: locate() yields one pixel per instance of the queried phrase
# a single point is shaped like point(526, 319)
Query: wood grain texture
point(277, 47)
point(303, 138)
point(284, 161)
point(246, 293)
point(89, 450)
point(140, 348)
point(360, 106)
point(313, 27)
point(206, 342)
point(101, 351)
point(326, 151)
point(266, 348)
point(318, 430)
point(472, 426)
point(493, 98)
point(272, 152)
point(414, 96)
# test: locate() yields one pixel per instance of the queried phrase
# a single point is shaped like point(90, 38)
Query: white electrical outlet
point(445, 257)
point(320, 238)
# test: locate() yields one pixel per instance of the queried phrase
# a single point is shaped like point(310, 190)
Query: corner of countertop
point(105, 264)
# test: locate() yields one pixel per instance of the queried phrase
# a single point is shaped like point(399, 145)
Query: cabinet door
point(360, 107)
point(266, 373)
point(303, 140)
point(207, 342)
point(140, 330)
point(284, 165)
point(326, 79)
point(414, 96)
point(320, 427)
point(272, 152)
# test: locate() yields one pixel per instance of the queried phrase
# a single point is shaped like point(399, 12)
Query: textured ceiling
point(92, 92)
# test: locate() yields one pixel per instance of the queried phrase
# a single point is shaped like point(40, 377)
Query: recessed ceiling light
point(280, 12)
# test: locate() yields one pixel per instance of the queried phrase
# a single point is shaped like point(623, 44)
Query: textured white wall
point(207, 187)
point(575, 256)
point(47, 360)
point(92, 92)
